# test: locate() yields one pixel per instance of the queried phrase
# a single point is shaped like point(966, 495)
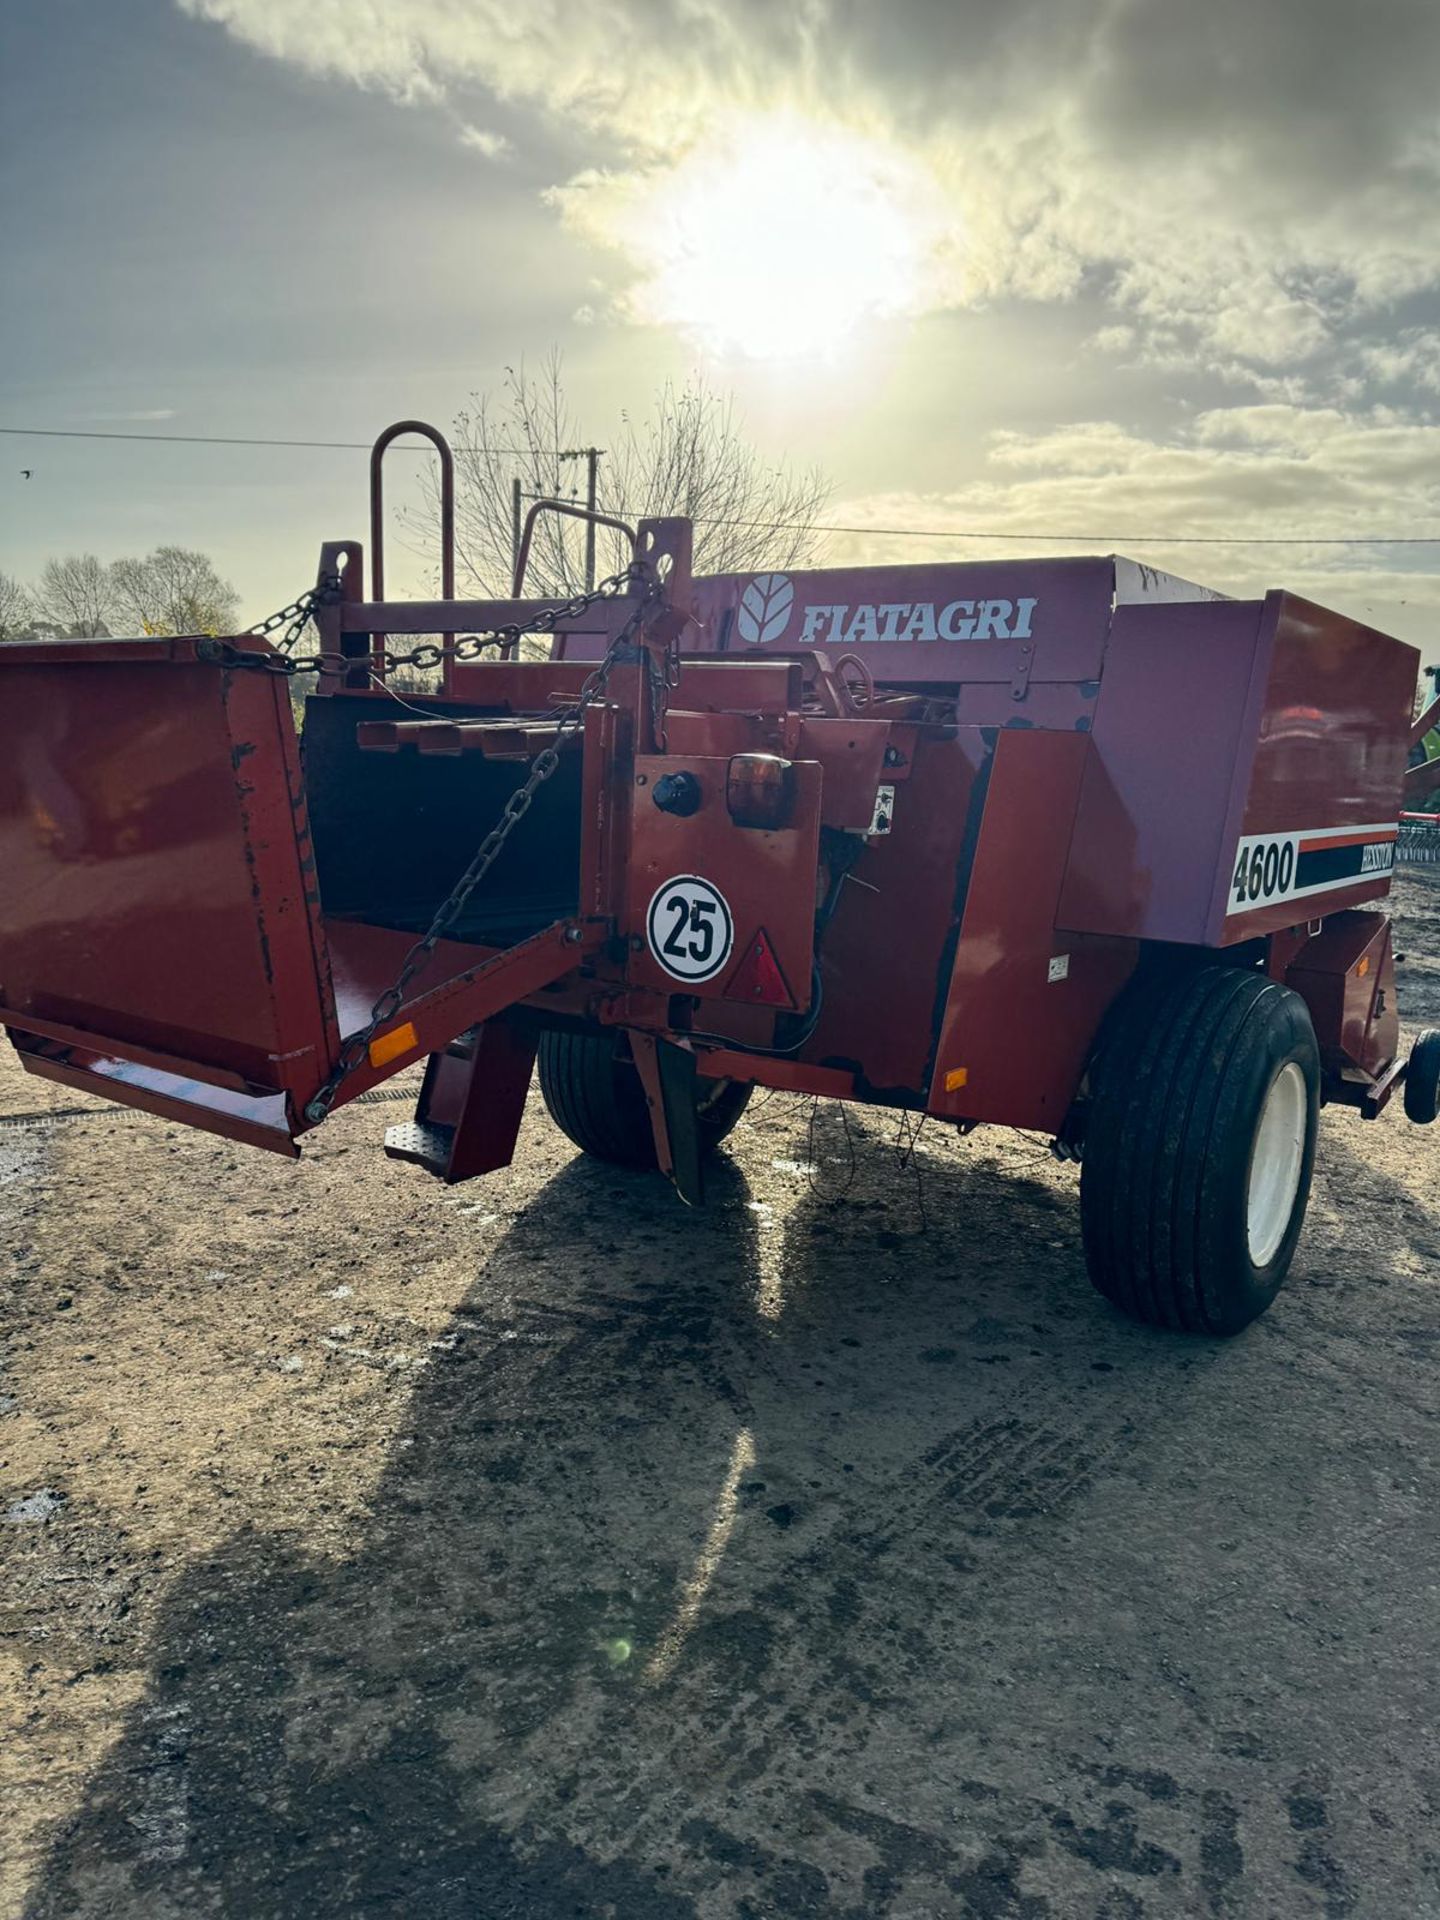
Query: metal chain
point(224, 653)
point(357, 1044)
point(663, 682)
point(299, 612)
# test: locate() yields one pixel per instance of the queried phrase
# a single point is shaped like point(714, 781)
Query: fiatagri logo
point(768, 602)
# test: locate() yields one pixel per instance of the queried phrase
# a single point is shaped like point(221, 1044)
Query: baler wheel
point(1199, 1147)
point(1422, 1078)
point(594, 1095)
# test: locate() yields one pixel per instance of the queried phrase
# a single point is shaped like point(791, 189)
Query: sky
point(1095, 275)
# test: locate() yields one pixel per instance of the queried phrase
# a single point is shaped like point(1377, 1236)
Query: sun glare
point(781, 240)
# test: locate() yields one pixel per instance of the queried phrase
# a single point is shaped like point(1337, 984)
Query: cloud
point(134, 414)
point(1307, 476)
point(482, 140)
point(1411, 358)
point(1243, 184)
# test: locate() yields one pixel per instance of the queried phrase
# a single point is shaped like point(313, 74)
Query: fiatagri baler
point(1062, 844)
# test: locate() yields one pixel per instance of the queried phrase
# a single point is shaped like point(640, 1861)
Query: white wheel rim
point(1275, 1163)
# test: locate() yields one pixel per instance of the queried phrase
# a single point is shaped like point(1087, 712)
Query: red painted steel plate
point(154, 862)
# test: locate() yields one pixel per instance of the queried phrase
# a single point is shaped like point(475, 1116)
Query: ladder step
point(423, 1144)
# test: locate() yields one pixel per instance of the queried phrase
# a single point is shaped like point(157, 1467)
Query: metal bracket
point(1020, 679)
point(1374, 1100)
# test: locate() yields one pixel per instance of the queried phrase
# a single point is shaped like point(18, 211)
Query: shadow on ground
point(741, 1564)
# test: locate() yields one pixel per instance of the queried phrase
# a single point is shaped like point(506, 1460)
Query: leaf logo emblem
point(765, 608)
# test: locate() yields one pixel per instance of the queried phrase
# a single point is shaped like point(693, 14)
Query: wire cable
point(235, 440)
point(888, 533)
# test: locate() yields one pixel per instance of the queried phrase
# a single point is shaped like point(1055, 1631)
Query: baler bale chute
point(1063, 844)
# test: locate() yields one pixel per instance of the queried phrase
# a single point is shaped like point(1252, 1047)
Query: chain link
point(357, 1045)
point(429, 654)
point(299, 613)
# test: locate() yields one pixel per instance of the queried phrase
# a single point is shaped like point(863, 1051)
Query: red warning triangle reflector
point(758, 978)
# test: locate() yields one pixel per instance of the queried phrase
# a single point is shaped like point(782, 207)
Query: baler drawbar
point(1066, 844)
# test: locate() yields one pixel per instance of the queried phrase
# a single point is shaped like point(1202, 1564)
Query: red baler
point(1067, 845)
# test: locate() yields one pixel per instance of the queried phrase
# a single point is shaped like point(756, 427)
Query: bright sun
point(781, 239)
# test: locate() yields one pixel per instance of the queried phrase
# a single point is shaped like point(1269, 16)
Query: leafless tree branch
point(688, 455)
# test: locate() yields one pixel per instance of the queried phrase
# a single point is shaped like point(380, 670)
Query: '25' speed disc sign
point(689, 928)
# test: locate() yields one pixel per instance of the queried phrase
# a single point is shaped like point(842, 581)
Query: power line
point(1099, 539)
point(231, 440)
point(889, 533)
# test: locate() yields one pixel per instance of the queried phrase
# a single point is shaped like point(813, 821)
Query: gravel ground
point(538, 1548)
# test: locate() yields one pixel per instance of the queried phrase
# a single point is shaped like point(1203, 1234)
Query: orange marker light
point(956, 1078)
point(760, 790)
point(389, 1046)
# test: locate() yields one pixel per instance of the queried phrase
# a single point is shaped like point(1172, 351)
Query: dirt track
point(537, 1548)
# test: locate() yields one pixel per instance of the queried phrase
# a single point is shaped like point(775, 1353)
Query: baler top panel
point(980, 622)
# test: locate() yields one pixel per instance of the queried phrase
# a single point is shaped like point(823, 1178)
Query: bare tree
point(75, 595)
point(688, 455)
point(17, 616)
point(173, 590)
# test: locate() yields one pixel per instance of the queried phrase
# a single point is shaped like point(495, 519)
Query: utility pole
point(592, 476)
point(518, 495)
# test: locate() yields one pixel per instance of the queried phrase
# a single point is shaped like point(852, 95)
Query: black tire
point(1422, 1078)
point(1186, 1067)
point(594, 1095)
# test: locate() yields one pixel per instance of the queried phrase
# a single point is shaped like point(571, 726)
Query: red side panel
point(1169, 748)
point(884, 959)
point(758, 882)
point(1024, 1002)
point(1271, 734)
point(156, 886)
point(1317, 821)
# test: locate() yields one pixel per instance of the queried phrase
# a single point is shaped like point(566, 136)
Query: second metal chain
point(429, 654)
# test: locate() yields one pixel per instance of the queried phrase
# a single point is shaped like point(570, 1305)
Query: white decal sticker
point(768, 604)
point(844, 625)
point(765, 608)
point(1271, 867)
point(1059, 968)
point(690, 928)
point(884, 809)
